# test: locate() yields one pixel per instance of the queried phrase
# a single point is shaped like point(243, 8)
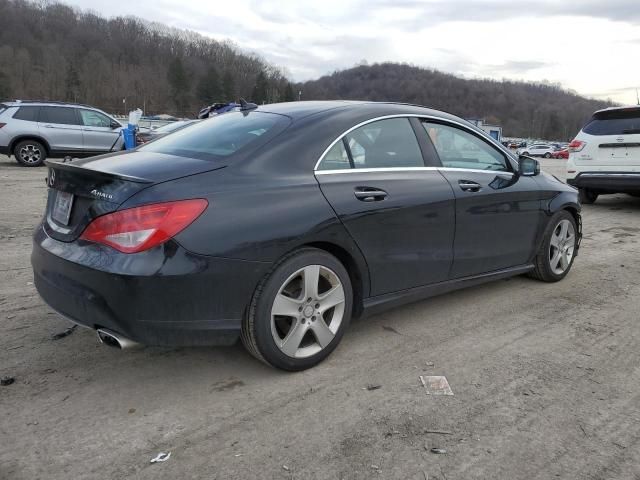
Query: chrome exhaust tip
point(113, 339)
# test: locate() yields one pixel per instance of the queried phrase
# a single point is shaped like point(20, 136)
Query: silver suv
point(33, 131)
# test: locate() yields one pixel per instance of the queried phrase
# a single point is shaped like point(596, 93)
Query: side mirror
point(114, 125)
point(528, 167)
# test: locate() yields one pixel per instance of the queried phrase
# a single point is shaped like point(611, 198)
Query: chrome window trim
point(489, 138)
point(373, 170)
point(410, 169)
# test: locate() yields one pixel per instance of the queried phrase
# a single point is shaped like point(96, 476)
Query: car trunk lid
point(82, 190)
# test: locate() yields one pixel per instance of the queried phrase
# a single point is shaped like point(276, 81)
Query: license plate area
point(62, 207)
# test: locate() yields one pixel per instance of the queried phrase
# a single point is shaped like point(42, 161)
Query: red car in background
point(564, 153)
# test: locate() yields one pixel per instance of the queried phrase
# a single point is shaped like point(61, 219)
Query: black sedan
point(279, 224)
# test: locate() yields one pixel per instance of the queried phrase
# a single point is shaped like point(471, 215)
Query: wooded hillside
point(52, 51)
point(523, 109)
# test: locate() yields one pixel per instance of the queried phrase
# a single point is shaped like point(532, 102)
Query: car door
point(399, 211)
point(98, 134)
point(61, 127)
point(497, 211)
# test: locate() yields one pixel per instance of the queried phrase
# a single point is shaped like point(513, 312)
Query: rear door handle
point(469, 185)
point(369, 194)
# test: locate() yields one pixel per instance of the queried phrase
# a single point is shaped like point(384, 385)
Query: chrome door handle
point(368, 194)
point(469, 186)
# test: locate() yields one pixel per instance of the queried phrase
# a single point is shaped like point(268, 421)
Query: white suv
point(537, 150)
point(605, 156)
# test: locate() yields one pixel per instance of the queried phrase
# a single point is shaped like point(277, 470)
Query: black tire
point(256, 328)
point(542, 262)
point(547, 155)
point(587, 196)
point(30, 153)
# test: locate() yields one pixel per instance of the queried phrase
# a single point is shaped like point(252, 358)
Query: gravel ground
point(546, 381)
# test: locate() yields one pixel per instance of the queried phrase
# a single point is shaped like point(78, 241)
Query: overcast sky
point(589, 46)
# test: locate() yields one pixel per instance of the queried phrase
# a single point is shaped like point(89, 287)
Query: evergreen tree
point(178, 85)
point(228, 87)
point(289, 95)
point(209, 89)
point(260, 89)
point(72, 84)
point(5, 87)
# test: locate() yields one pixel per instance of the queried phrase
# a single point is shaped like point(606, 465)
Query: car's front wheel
point(587, 196)
point(547, 155)
point(300, 311)
point(30, 153)
point(558, 249)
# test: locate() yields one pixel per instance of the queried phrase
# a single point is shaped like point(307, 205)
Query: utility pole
point(299, 95)
point(637, 97)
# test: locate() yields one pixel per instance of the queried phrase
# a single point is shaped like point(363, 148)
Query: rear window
point(614, 123)
point(29, 114)
point(59, 115)
point(220, 136)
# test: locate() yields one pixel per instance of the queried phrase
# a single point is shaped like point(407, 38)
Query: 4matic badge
point(99, 194)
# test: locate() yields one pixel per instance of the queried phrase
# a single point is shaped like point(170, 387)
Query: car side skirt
point(380, 303)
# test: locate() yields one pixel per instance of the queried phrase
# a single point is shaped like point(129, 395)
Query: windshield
point(220, 136)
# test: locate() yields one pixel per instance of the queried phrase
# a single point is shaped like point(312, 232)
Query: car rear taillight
point(576, 146)
point(141, 228)
point(2, 125)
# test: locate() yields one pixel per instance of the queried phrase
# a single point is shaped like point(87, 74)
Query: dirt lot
point(546, 381)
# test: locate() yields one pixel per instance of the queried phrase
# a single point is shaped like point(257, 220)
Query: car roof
point(299, 110)
point(630, 108)
point(18, 103)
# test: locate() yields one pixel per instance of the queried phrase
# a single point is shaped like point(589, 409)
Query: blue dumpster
point(129, 134)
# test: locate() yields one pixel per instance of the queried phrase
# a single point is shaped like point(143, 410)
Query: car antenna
point(244, 105)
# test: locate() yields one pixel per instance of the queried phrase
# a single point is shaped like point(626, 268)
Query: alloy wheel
point(307, 311)
point(562, 246)
point(30, 153)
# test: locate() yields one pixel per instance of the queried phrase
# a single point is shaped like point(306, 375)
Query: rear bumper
point(165, 296)
point(607, 182)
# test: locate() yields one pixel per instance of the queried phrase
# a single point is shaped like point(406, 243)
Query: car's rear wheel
point(30, 153)
point(587, 196)
point(558, 249)
point(547, 155)
point(300, 311)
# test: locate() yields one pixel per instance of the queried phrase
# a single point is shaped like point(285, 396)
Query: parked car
point(33, 131)
point(564, 153)
point(537, 150)
point(278, 224)
point(152, 134)
point(605, 156)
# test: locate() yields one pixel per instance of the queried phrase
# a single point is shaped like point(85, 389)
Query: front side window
point(220, 136)
point(91, 118)
point(59, 115)
point(458, 148)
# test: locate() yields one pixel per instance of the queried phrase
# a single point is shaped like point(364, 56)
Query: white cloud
point(589, 46)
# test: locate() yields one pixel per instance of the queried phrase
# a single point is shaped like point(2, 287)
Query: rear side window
point(60, 115)
point(387, 143)
point(29, 114)
point(614, 123)
point(220, 136)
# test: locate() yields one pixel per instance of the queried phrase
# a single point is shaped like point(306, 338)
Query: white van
point(605, 156)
